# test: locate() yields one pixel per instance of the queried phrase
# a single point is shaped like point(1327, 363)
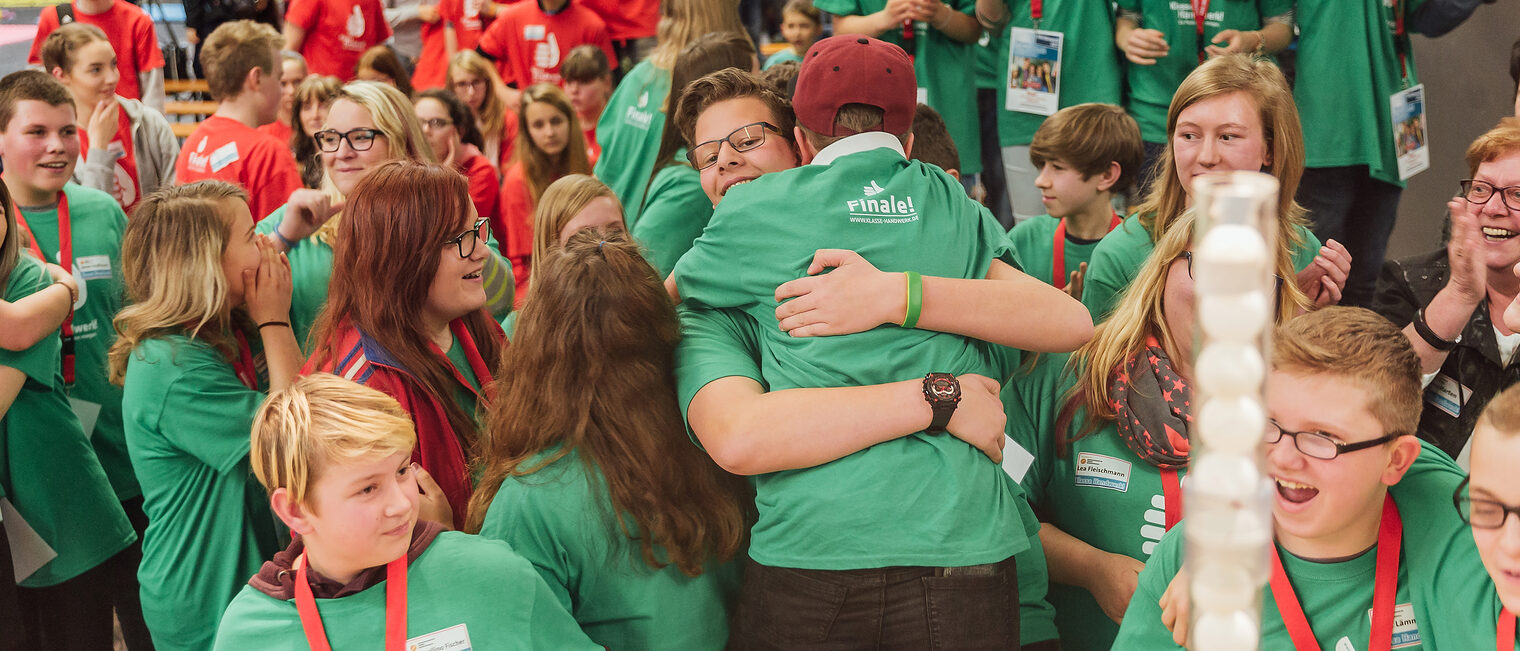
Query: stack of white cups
point(1227, 498)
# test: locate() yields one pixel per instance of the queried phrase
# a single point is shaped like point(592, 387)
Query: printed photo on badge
point(1034, 71)
point(1407, 109)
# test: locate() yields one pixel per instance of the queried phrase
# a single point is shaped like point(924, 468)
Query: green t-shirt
point(1344, 104)
point(1151, 87)
point(479, 585)
point(630, 132)
point(47, 467)
point(188, 418)
point(920, 500)
point(943, 68)
point(1438, 562)
point(989, 49)
point(1118, 257)
point(98, 225)
point(788, 54)
point(1033, 240)
point(675, 212)
point(559, 518)
point(463, 396)
point(1099, 492)
point(1089, 61)
point(311, 264)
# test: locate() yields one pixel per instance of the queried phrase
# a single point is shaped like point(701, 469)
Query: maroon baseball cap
point(855, 69)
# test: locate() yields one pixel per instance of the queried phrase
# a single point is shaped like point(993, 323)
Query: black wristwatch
point(1430, 336)
point(943, 393)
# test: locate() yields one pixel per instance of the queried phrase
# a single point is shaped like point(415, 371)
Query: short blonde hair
point(1502, 140)
point(319, 421)
point(1356, 344)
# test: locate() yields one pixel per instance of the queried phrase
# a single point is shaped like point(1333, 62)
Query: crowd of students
point(444, 331)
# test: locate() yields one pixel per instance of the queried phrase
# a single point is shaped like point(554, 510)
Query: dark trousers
point(10, 608)
point(1347, 205)
point(76, 614)
point(887, 608)
point(992, 158)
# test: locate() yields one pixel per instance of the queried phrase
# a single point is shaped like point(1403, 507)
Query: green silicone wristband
point(915, 299)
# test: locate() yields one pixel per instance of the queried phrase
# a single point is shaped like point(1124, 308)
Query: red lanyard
point(1385, 586)
point(908, 36)
point(247, 373)
point(395, 607)
point(1171, 492)
point(1506, 630)
point(127, 162)
point(65, 260)
point(1200, 15)
point(1399, 42)
point(1058, 251)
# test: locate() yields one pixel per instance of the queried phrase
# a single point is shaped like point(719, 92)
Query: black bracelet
point(273, 323)
point(1430, 336)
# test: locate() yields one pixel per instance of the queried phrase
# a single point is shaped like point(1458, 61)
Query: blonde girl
point(475, 80)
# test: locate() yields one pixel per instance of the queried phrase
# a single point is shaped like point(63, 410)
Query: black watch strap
point(943, 392)
point(1430, 336)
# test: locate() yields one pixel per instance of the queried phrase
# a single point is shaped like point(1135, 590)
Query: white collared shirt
point(858, 143)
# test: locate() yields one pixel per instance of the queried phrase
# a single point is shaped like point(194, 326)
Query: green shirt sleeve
point(1142, 627)
point(715, 343)
point(1303, 255)
point(1115, 260)
point(675, 212)
point(1037, 618)
point(207, 410)
point(40, 361)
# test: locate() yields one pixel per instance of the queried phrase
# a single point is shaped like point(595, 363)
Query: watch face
point(944, 388)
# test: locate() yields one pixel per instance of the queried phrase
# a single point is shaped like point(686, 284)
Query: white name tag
point(1447, 395)
point(223, 156)
point(1410, 144)
point(453, 638)
point(93, 267)
point(1034, 71)
point(1016, 460)
point(1101, 471)
point(1406, 631)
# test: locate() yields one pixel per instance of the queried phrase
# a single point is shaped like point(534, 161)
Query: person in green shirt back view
point(372, 566)
point(1360, 506)
point(1086, 154)
point(634, 120)
point(588, 470)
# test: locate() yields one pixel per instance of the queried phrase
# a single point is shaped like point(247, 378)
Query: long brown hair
point(592, 369)
point(384, 261)
point(539, 168)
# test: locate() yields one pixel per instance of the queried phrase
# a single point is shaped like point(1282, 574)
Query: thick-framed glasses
point(360, 139)
point(1475, 191)
point(1319, 444)
point(435, 124)
point(461, 86)
point(1481, 513)
point(467, 240)
point(742, 139)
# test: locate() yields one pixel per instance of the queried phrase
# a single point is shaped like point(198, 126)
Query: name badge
point(1101, 471)
point(223, 156)
point(453, 638)
point(533, 32)
point(1447, 395)
point(94, 267)
point(1406, 631)
point(1034, 71)
point(1409, 136)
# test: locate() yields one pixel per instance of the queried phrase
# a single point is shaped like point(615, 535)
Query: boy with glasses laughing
point(1364, 533)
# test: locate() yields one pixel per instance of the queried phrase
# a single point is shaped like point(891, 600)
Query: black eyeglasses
point(360, 139)
point(742, 139)
point(1319, 444)
point(467, 240)
point(1480, 192)
point(1481, 513)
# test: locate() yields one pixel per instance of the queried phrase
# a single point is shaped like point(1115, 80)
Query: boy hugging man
point(1360, 506)
point(903, 538)
point(364, 570)
point(1084, 155)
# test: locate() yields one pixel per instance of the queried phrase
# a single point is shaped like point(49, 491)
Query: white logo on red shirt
point(355, 27)
point(546, 57)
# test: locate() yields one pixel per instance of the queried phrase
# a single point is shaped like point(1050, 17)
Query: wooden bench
point(177, 86)
point(183, 130)
point(197, 109)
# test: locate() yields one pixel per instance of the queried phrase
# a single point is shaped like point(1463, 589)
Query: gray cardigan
point(153, 143)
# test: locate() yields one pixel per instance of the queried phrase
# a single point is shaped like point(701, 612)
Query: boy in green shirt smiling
point(1363, 531)
point(369, 569)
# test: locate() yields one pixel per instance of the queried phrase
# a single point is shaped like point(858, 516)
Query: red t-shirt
point(126, 188)
point(627, 19)
point(513, 225)
point(277, 130)
point(130, 32)
point(224, 149)
point(593, 148)
point(529, 45)
point(337, 33)
point(484, 189)
point(433, 63)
